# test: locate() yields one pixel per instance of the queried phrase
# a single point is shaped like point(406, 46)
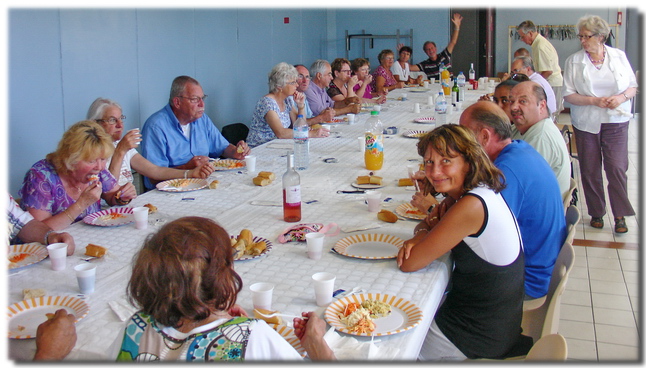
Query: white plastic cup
point(404, 96)
point(57, 255)
point(374, 200)
point(458, 105)
point(141, 217)
point(362, 143)
point(261, 293)
point(350, 119)
point(377, 108)
point(416, 108)
point(426, 84)
point(432, 80)
point(314, 245)
point(86, 277)
point(323, 287)
point(430, 102)
point(250, 161)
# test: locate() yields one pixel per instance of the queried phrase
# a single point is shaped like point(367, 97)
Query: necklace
point(595, 62)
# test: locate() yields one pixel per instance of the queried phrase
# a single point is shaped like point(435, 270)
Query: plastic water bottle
point(462, 81)
point(301, 144)
point(291, 192)
point(374, 142)
point(440, 104)
point(472, 73)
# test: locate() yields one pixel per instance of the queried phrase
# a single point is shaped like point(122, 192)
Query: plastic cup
point(261, 293)
point(250, 161)
point(458, 105)
point(314, 245)
point(350, 118)
point(426, 84)
point(431, 80)
point(404, 96)
point(141, 217)
point(416, 108)
point(374, 200)
point(430, 101)
point(86, 277)
point(377, 108)
point(57, 255)
point(323, 287)
point(362, 143)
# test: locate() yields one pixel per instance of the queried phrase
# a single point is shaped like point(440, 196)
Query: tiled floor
point(599, 309)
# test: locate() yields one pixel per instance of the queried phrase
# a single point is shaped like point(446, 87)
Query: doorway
point(476, 42)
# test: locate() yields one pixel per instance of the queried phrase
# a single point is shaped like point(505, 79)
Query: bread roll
point(214, 184)
point(364, 179)
point(260, 181)
point(275, 320)
point(387, 216)
point(151, 208)
point(246, 235)
point(258, 248)
point(240, 247)
point(267, 174)
point(94, 250)
point(374, 179)
point(32, 293)
point(405, 182)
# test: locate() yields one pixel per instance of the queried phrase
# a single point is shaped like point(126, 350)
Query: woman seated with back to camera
point(274, 115)
point(383, 80)
point(109, 115)
point(481, 315)
point(184, 282)
point(70, 182)
point(361, 69)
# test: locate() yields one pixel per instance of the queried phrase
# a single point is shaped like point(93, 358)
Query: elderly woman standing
point(69, 183)
point(109, 114)
point(199, 320)
point(482, 313)
point(274, 114)
point(599, 83)
point(382, 78)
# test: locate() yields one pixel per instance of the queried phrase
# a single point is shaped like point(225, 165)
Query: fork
point(278, 314)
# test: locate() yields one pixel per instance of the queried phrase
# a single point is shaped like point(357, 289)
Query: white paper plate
point(369, 246)
point(116, 216)
point(255, 239)
point(367, 186)
point(25, 316)
point(182, 185)
point(402, 209)
point(339, 120)
point(288, 334)
point(426, 120)
point(35, 252)
point(227, 164)
point(405, 315)
point(414, 133)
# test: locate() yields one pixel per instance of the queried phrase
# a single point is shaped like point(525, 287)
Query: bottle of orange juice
point(374, 152)
point(445, 77)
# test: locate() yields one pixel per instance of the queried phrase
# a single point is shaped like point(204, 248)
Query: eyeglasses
point(301, 76)
point(348, 71)
point(292, 83)
point(112, 120)
point(195, 100)
point(519, 77)
point(586, 37)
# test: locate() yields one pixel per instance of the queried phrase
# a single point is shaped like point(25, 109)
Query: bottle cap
point(299, 116)
point(374, 112)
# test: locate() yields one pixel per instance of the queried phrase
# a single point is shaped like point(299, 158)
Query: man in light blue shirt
point(180, 135)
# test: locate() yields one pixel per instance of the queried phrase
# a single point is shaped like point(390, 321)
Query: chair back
point(567, 198)
point(235, 132)
point(549, 348)
point(544, 320)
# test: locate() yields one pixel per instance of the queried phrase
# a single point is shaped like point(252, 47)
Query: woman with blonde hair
point(70, 182)
point(184, 283)
point(482, 312)
point(275, 114)
point(599, 83)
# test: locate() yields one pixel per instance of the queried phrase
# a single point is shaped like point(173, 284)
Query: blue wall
point(60, 60)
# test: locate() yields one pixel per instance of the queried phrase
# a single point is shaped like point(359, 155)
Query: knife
point(350, 191)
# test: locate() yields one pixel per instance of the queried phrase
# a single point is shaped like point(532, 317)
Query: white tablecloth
point(286, 265)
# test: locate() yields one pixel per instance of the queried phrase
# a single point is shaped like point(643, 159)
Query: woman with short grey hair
point(599, 83)
point(275, 112)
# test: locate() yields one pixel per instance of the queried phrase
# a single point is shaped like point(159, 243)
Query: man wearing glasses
point(545, 57)
point(180, 135)
point(303, 84)
point(316, 94)
point(524, 65)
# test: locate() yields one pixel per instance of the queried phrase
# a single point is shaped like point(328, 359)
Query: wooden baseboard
point(605, 244)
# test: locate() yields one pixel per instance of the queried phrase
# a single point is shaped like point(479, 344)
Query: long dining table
point(236, 204)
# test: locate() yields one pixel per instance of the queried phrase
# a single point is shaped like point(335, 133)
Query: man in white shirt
point(525, 65)
point(532, 123)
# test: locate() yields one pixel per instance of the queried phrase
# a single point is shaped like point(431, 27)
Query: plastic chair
point(235, 132)
point(544, 320)
point(551, 347)
point(568, 196)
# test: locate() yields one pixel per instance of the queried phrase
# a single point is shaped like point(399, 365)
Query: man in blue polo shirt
point(531, 192)
point(180, 135)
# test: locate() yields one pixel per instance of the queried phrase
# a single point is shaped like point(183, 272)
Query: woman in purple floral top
point(383, 79)
point(69, 183)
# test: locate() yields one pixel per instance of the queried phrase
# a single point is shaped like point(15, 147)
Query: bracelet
point(68, 215)
point(626, 96)
point(419, 231)
point(186, 174)
point(47, 236)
